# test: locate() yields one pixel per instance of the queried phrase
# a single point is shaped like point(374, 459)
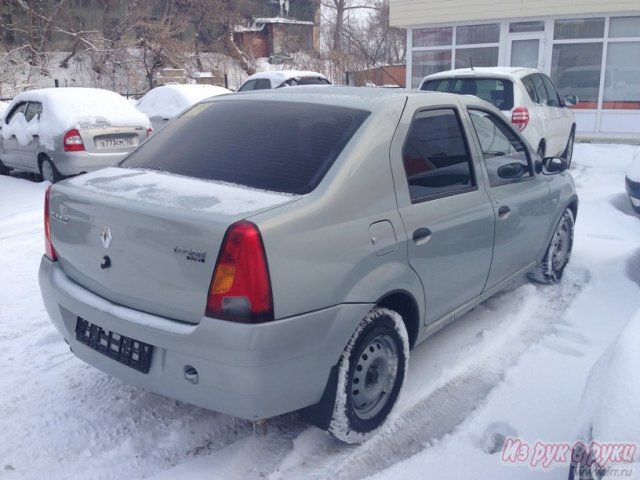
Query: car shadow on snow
point(621, 202)
point(633, 267)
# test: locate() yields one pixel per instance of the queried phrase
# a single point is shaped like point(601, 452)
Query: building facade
point(590, 49)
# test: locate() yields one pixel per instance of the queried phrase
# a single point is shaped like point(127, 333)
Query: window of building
point(426, 62)
point(576, 68)
point(578, 28)
point(526, 27)
point(435, 156)
point(432, 37)
point(622, 80)
point(474, 34)
point(477, 57)
point(624, 27)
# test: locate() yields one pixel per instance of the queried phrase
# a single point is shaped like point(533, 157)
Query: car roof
point(483, 72)
point(362, 98)
point(278, 76)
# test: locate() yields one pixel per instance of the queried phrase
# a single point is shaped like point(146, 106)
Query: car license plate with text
point(115, 142)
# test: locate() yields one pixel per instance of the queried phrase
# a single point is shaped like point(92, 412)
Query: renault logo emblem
point(105, 236)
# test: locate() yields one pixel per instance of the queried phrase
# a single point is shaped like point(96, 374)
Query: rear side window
point(530, 88)
point(496, 91)
point(263, 84)
point(435, 155)
point(278, 146)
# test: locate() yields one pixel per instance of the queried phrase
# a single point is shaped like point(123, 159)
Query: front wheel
point(371, 373)
point(558, 252)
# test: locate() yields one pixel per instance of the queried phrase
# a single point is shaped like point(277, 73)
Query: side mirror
point(512, 170)
point(553, 165)
point(570, 100)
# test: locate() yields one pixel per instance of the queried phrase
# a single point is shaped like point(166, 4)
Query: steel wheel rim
point(561, 250)
point(374, 376)
point(47, 171)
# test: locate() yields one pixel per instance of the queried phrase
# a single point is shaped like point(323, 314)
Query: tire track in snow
point(446, 403)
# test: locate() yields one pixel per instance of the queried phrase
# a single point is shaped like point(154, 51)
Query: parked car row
point(57, 133)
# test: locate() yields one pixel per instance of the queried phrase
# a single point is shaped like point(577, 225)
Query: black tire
point(371, 373)
point(48, 170)
point(558, 252)
point(4, 170)
point(568, 150)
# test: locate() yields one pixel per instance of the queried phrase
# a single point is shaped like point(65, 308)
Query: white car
point(163, 103)
point(632, 181)
point(282, 78)
point(608, 419)
point(526, 96)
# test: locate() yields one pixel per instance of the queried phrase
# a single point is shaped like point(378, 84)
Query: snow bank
point(633, 173)
point(169, 100)
point(610, 407)
point(66, 108)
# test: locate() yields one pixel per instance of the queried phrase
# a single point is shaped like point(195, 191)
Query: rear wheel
point(4, 170)
point(49, 171)
point(568, 151)
point(371, 373)
point(558, 252)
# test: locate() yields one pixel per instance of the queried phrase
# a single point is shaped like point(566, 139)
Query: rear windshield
point(278, 146)
point(306, 81)
point(497, 91)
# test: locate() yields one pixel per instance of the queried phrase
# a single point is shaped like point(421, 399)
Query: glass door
point(525, 52)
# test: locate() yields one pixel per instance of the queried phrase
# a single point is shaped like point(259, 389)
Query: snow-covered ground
point(515, 366)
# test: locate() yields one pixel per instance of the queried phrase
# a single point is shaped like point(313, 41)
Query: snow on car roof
point(67, 108)
point(168, 101)
point(278, 76)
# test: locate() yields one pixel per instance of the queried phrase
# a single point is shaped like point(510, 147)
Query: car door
point(10, 147)
point(448, 217)
point(521, 199)
point(561, 117)
point(28, 152)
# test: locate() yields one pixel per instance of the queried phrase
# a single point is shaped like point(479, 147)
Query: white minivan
point(526, 96)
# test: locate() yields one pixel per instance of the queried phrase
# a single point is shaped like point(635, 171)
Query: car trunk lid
point(106, 138)
point(148, 240)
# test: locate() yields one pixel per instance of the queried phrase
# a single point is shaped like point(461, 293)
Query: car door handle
point(504, 211)
point(421, 236)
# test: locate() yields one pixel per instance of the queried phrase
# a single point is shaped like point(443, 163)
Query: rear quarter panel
point(319, 248)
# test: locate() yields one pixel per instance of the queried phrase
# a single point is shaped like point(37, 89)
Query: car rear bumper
point(73, 163)
point(249, 371)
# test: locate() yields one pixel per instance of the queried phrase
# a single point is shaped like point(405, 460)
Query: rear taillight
point(48, 247)
point(73, 141)
point(520, 117)
point(240, 288)
point(149, 131)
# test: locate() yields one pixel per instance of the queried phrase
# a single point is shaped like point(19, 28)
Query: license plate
point(115, 142)
point(130, 352)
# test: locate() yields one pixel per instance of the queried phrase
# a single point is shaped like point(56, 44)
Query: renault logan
point(265, 253)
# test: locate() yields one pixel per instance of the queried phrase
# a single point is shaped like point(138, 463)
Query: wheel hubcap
point(561, 251)
point(374, 376)
point(47, 171)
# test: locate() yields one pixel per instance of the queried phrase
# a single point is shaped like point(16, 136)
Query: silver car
point(59, 132)
point(272, 252)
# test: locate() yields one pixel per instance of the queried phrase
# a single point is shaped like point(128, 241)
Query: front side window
point(505, 154)
point(435, 156)
point(263, 84)
point(33, 110)
point(19, 108)
point(276, 146)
